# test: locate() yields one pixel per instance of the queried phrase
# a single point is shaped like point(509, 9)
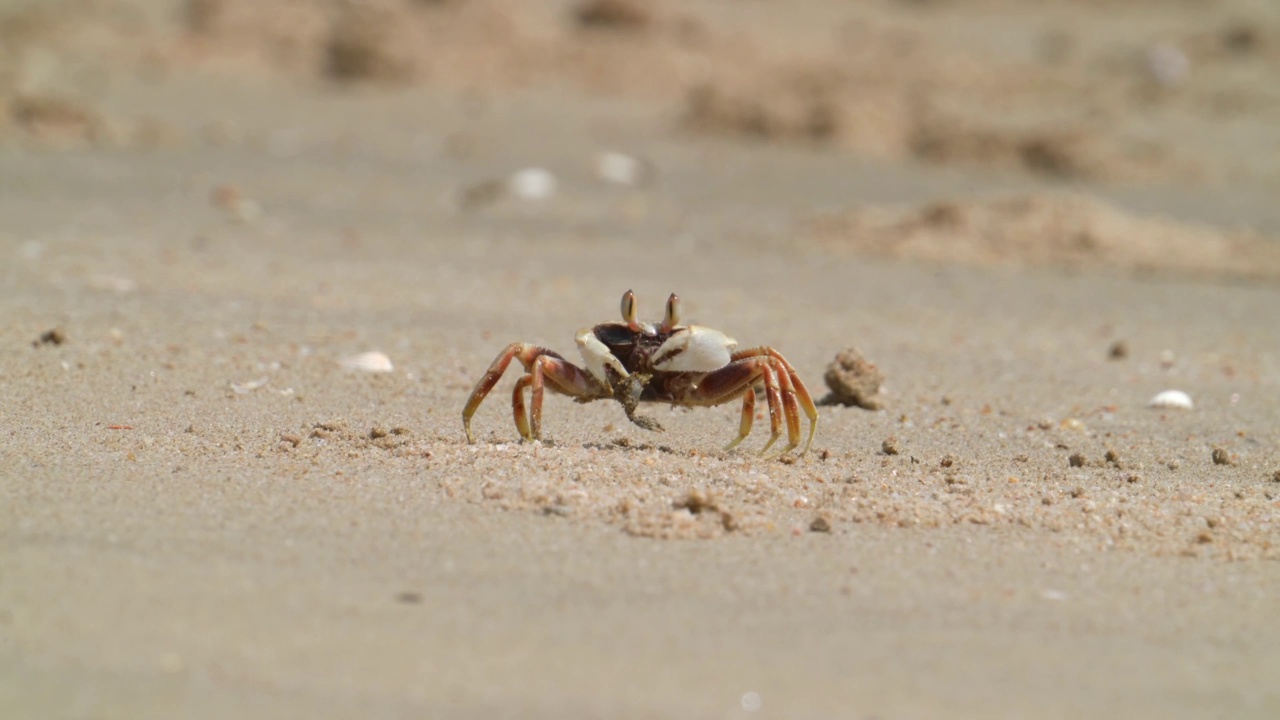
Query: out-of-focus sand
point(202, 514)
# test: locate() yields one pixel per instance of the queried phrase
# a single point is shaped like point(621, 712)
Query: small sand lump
point(853, 380)
point(1222, 457)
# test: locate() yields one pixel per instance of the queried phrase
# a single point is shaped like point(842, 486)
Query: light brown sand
point(203, 515)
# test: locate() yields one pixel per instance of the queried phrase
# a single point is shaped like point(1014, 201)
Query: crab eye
point(672, 317)
point(629, 309)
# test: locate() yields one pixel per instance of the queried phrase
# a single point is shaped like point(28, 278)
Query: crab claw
point(627, 391)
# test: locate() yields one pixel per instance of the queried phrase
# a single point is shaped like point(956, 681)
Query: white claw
point(596, 356)
point(695, 349)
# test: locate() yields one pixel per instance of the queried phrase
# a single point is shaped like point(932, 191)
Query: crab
point(634, 362)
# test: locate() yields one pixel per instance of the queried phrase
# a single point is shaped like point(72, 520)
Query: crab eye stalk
point(629, 310)
point(672, 318)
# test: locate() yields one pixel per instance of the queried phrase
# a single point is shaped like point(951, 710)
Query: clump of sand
point(1047, 230)
point(853, 381)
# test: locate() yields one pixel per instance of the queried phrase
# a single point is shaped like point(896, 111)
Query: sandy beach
point(1030, 221)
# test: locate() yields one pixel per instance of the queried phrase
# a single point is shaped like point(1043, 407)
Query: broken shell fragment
point(1174, 399)
point(375, 362)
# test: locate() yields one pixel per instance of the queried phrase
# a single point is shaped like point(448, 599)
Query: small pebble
point(50, 337)
point(890, 446)
point(820, 524)
point(1119, 350)
point(230, 199)
point(1077, 460)
point(1172, 399)
point(1221, 457)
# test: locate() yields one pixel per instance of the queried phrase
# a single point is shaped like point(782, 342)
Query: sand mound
point(1064, 231)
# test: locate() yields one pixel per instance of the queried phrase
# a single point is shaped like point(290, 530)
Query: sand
point(203, 513)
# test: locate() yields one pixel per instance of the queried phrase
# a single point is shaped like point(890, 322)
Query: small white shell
point(532, 184)
point(1167, 64)
point(375, 362)
point(1175, 399)
point(619, 168)
point(250, 386)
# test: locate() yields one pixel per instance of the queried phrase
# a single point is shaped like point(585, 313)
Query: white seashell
point(619, 168)
point(532, 184)
point(1167, 64)
point(250, 386)
point(368, 362)
point(1171, 399)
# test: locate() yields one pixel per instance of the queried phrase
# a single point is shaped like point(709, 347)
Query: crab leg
point(775, 404)
point(524, 351)
point(791, 413)
point(517, 407)
point(739, 378)
point(561, 376)
point(748, 416)
point(805, 401)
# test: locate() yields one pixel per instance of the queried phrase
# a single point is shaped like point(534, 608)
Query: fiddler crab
point(634, 362)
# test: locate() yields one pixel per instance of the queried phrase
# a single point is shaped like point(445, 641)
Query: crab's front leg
point(543, 367)
point(525, 352)
point(560, 376)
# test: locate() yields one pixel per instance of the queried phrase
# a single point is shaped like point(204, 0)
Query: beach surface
point(214, 502)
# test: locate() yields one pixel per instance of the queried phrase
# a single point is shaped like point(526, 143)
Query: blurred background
point(890, 116)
